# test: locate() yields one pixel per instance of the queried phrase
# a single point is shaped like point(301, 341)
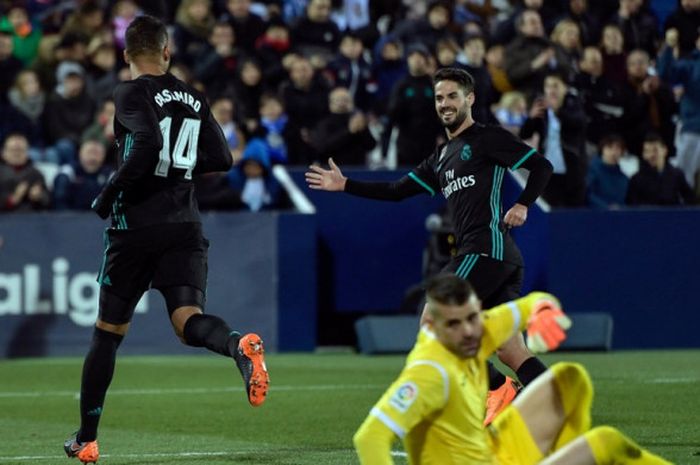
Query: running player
point(436, 405)
point(165, 133)
point(468, 170)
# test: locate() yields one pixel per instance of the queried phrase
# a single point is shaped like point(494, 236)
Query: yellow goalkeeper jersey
point(437, 404)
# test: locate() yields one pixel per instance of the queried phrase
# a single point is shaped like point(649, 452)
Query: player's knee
point(119, 329)
point(572, 376)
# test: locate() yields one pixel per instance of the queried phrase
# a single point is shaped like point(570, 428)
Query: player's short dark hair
point(448, 289)
point(146, 35)
point(461, 77)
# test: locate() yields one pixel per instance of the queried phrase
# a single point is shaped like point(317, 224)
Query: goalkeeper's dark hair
point(146, 35)
point(461, 77)
point(448, 289)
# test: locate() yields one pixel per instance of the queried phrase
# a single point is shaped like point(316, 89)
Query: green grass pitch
point(192, 409)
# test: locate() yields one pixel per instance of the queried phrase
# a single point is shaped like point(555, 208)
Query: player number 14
point(184, 154)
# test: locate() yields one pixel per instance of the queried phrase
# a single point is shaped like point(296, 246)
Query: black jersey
point(165, 133)
point(468, 171)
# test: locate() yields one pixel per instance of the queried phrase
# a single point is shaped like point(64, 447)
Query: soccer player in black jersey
point(165, 134)
point(468, 170)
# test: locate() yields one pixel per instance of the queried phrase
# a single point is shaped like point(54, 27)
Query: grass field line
point(395, 453)
point(157, 391)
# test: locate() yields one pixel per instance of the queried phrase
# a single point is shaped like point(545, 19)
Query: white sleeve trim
point(515, 310)
point(391, 424)
point(441, 369)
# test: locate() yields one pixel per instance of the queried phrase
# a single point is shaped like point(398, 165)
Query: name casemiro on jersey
point(166, 95)
point(453, 185)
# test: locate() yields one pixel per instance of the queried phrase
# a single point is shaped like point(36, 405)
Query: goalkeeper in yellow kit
point(436, 406)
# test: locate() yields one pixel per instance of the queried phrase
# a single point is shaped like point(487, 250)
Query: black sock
point(496, 378)
point(97, 374)
point(529, 370)
point(211, 332)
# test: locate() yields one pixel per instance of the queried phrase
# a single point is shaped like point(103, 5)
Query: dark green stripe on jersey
point(467, 265)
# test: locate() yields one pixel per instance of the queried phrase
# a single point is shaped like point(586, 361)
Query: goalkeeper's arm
point(538, 312)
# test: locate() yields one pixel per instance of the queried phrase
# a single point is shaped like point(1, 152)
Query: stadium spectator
point(638, 26)
point(248, 87)
point(658, 182)
point(343, 134)
point(88, 18)
point(506, 31)
point(588, 24)
point(511, 111)
point(273, 127)
point(101, 69)
point(435, 405)
point(194, 21)
point(216, 65)
point(253, 180)
point(25, 35)
point(649, 104)
point(69, 47)
point(614, 55)
point(78, 183)
point(601, 98)
point(530, 56)
point(428, 30)
point(446, 53)
point(28, 98)
point(223, 110)
point(305, 97)
point(68, 112)
point(412, 109)
point(102, 129)
point(685, 72)
point(271, 48)
point(559, 121)
point(474, 48)
point(123, 13)
point(566, 38)
point(247, 26)
point(349, 69)
point(606, 184)
point(495, 63)
point(10, 65)
point(388, 67)
point(685, 19)
point(315, 34)
point(22, 186)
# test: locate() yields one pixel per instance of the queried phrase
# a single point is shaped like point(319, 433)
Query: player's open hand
point(516, 216)
point(325, 180)
point(546, 326)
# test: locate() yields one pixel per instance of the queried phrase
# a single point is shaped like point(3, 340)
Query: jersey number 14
point(184, 154)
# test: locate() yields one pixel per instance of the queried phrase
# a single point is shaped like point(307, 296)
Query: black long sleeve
point(540, 171)
point(393, 191)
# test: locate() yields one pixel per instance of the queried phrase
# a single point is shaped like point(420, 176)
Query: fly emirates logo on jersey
point(453, 184)
point(74, 294)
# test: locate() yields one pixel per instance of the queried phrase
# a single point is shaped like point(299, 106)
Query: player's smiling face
point(458, 327)
point(451, 104)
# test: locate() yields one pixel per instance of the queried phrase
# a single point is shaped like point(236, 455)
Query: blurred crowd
point(608, 91)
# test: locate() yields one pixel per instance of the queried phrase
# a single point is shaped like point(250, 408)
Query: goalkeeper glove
point(546, 326)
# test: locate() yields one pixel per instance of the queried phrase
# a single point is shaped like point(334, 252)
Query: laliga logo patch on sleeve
point(404, 396)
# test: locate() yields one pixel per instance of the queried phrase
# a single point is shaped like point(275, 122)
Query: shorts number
point(184, 155)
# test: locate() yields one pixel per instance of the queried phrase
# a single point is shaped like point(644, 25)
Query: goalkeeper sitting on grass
point(436, 406)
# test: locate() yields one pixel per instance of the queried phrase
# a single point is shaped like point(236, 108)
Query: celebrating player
point(469, 171)
point(436, 406)
point(165, 133)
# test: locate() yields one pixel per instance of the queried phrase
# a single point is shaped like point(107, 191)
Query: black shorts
point(494, 281)
point(161, 256)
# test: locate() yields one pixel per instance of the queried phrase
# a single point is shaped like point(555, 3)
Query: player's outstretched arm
point(326, 180)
